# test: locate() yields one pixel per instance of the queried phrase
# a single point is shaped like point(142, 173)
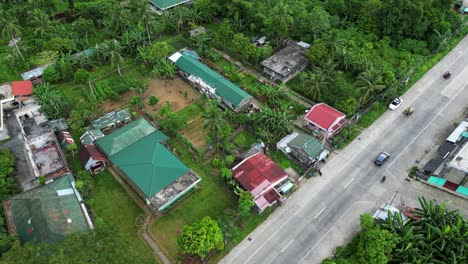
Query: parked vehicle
point(395, 103)
point(381, 158)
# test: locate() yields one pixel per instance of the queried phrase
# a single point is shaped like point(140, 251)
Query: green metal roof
point(308, 143)
point(164, 4)
point(90, 136)
point(42, 213)
point(111, 119)
point(127, 135)
point(224, 88)
point(149, 164)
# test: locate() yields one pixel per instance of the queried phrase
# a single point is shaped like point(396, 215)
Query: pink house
point(259, 175)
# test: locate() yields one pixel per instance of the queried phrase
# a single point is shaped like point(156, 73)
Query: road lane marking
point(308, 252)
point(424, 129)
point(321, 211)
point(346, 186)
point(287, 246)
point(356, 155)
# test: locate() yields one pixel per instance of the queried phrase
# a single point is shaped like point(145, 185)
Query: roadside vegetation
point(434, 235)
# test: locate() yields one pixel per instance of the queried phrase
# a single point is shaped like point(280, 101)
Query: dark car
point(381, 158)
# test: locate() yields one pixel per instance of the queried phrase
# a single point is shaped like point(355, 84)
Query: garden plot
point(194, 131)
point(175, 91)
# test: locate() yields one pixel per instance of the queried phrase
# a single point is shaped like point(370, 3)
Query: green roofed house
point(210, 83)
point(47, 213)
point(166, 4)
point(305, 148)
point(109, 121)
point(139, 154)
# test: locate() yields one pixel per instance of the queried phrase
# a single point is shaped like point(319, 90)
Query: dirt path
point(294, 95)
point(149, 217)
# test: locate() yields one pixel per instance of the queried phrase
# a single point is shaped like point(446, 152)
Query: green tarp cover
point(43, 215)
point(465, 134)
point(436, 180)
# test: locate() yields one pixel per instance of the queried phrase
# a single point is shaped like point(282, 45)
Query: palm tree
point(369, 82)
point(312, 86)
point(280, 21)
point(11, 28)
point(113, 52)
point(213, 118)
point(146, 17)
point(41, 22)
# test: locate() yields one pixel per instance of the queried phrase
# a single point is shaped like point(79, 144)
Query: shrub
point(51, 74)
point(82, 76)
point(153, 100)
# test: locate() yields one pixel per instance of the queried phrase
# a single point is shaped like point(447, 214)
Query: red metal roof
point(88, 151)
point(271, 196)
point(323, 115)
point(258, 173)
point(20, 88)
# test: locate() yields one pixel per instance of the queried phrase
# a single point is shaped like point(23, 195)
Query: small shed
point(92, 159)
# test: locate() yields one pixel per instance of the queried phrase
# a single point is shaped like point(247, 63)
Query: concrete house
point(265, 180)
point(48, 212)
point(286, 63)
point(137, 152)
point(210, 83)
point(324, 120)
point(304, 148)
point(43, 149)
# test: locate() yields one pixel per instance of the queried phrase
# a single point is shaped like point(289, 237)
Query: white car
point(395, 103)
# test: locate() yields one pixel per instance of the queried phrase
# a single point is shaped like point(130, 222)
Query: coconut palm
point(313, 86)
point(369, 82)
point(112, 51)
point(213, 118)
point(41, 22)
point(278, 123)
point(10, 28)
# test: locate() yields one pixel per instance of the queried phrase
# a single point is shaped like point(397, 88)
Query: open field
point(116, 208)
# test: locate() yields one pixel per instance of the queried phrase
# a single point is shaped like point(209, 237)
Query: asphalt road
point(324, 212)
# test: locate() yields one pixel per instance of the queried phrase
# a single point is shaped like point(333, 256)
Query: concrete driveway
point(324, 212)
point(24, 176)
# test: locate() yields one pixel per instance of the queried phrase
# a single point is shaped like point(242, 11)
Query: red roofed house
point(92, 159)
point(21, 88)
point(325, 119)
point(259, 175)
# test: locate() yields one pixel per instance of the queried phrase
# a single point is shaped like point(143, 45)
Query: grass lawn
point(210, 199)
point(244, 139)
point(373, 114)
point(116, 208)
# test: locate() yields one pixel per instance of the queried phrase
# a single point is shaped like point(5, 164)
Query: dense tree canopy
point(201, 237)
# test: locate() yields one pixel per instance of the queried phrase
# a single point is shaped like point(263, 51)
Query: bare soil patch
point(175, 91)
